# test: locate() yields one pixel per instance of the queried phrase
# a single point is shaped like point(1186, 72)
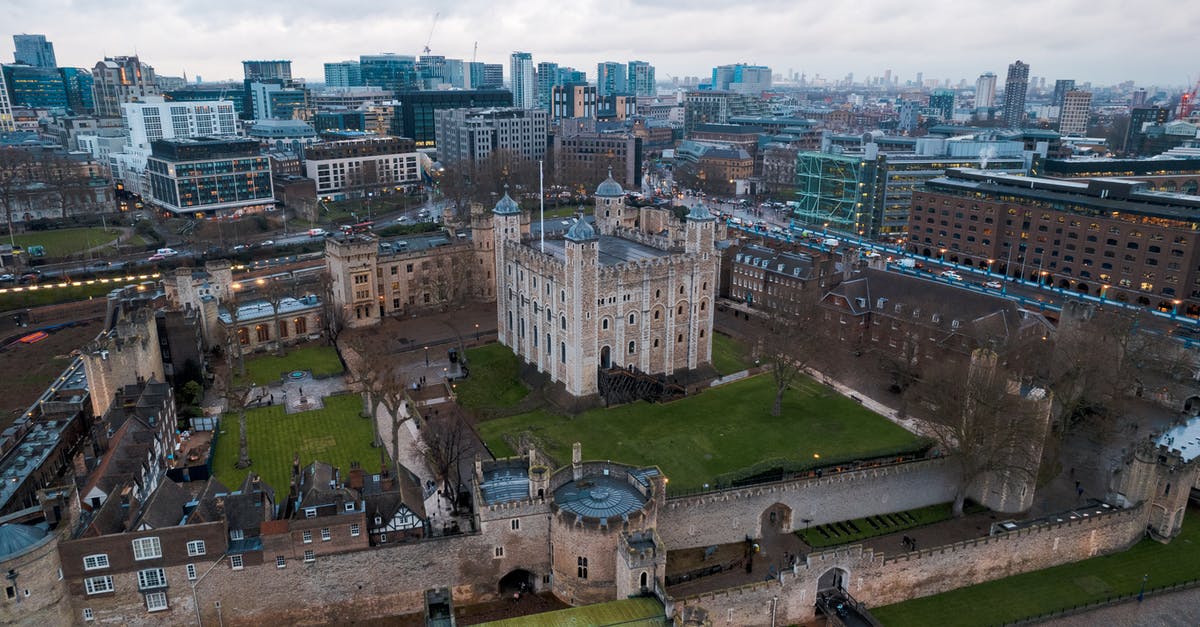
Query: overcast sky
point(1102, 41)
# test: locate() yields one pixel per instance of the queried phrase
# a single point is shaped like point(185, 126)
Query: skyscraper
point(1061, 87)
point(523, 80)
point(547, 79)
point(256, 70)
point(942, 100)
point(121, 79)
point(610, 78)
point(35, 87)
point(34, 50)
point(744, 79)
point(985, 91)
point(1015, 86)
point(641, 79)
point(391, 71)
point(343, 74)
point(77, 82)
point(1075, 113)
point(493, 76)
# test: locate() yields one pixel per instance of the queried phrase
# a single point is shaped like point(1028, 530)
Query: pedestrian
point(301, 391)
point(272, 401)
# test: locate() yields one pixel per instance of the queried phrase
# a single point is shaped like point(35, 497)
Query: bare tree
point(237, 396)
point(15, 178)
point(382, 384)
point(981, 421)
point(332, 315)
point(445, 440)
point(274, 291)
point(792, 338)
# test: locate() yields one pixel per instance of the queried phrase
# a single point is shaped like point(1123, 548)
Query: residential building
point(259, 70)
point(611, 78)
point(1075, 113)
point(343, 74)
point(985, 92)
point(941, 104)
point(777, 281)
point(1059, 97)
point(34, 50)
point(640, 75)
point(613, 296)
point(415, 115)
point(117, 80)
point(616, 107)
point(522, 80)
point(573, 100)
point(1107, 237)
point(474, 134)
point(357, 167)
point(1015, 86)
point(717, 107)
point(274, 98)
point(35, 87)
point(209, 176)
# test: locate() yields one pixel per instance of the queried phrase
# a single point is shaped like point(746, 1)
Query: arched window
point(643, 580)
point(263, 332)
point(301, 325)
point(701, 332)
point(656, 312)
point(243, 336)
point(604, 324)
point(510, 321)
point(702, 304)
point(631, 319)
point(562, 352)
point(681, 289)
point(632, 347)
point(563, 322)
point(679, 310)
point(657, 293)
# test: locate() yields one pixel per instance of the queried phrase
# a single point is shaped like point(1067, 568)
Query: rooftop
point(504, 485)
point(1184, 438)
point(599, 497)
point(613, 250)
point(261, 308)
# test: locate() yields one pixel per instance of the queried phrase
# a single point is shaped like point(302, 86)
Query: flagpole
point(542, 207)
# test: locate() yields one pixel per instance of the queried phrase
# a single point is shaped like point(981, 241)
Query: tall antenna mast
point(541, 207)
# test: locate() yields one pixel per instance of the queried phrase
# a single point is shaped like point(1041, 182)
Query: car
point(101, 264)
point(7, 277)
point(566, 223)
point(995, 285)
point(157, 257)
point(952, 275)
point(402, 219)
point(166, 252)
point(266, 242)
point(239, 248)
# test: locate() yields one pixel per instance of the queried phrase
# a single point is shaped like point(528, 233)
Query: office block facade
point(258, 70)
point(207, 176)
point(388, 71)
point(34, 50)
point(116, 80)
point(416, 112)
point(35, 87)
point(343, 74)
point(573, 100)
point(474, 134)
point(357, 167)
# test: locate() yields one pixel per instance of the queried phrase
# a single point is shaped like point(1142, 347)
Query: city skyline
point(836, 41)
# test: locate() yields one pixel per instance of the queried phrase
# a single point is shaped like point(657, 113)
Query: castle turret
point(582, 251)
point(506, 218)
point(610, 205)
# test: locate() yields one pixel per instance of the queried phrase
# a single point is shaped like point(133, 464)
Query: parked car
point(101, 264)
point(402, 219)
point(7, 277)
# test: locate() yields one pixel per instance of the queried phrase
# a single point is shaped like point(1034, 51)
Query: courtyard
point(720, 435)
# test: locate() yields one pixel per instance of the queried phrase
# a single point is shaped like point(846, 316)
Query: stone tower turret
point(582, 251)
point(351, 260)
point(610, 205)
point(1161, 474)
point(506, 230)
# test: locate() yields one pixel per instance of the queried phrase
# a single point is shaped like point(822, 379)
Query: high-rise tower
point(1015, 86)
point(523, 79)
point(34, 50)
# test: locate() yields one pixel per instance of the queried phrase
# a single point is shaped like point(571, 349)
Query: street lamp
point(1142, 592)
point(426, 356)
point(941, 254)
point(476, 331)
point(1175, 309)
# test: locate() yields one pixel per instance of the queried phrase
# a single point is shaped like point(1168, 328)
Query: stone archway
point(776, 519)
point(1191, 405)
point(605, 358)
point(833, 579)
point(518, 580)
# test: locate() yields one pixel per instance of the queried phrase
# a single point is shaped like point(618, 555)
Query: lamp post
point(1142, 592)
point(426, 356)
point(477, 332)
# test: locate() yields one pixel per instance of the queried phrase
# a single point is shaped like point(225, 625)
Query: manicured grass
point(723, 430)
point(1061, 587)
point(267, 368)
point(49, 293)
point(63, 242)
point(860, 529)
point(494, 383)
point(335, 434)
point(728, 355)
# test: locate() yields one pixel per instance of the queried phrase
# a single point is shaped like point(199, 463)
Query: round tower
point(610, 205)
point(506, 220)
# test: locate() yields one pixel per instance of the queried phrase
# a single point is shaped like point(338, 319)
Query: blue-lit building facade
point(207, 176)
point(77, 83)
point(393, 72)
point(35, 87)
point(415, 115)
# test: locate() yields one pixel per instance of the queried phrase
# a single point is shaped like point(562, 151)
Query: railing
point(1108, 601)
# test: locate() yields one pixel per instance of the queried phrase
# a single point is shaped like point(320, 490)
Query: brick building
point(1108, 237)
point(773, 280)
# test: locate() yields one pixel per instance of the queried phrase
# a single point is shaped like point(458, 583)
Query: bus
point(361, 227)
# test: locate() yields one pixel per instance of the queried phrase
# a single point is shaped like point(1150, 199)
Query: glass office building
point(35, 87)
point(206, 176)
point(415, 115)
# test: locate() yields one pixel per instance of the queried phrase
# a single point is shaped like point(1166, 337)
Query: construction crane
point(1187, 102)
point(429, 39)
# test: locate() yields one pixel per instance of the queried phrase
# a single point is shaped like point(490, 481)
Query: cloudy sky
point(1102, 41)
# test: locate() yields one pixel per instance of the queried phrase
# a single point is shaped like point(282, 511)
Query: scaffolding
point(836, 192)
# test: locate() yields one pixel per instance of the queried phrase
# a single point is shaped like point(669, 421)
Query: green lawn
point(335, 434)
point(50, 293)
point(1057, 588)
point(493, 383)
point(724, 430)
point(63, 242)
point(728, 355)
point(859, 529)
point(262, 369)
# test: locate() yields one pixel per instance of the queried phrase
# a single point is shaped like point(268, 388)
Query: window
point(146, 548)
point(349, 506)
point(93, 562)
point(151, 578)
point(307, 537)
point(515, 524)
point(581, 567)
point(310, 555)
point(354, 530)
point(156, 601)
point(632, 347)
point(280, 561)
point(499, 551)
point(88, 615)
point(195, 547)
point(325, 535)
point(235, 562)
point(631, 318)
point(97, 585)
point(191, 572)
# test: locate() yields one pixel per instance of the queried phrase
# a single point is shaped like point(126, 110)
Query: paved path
point(1176, 609)
point(412, 457)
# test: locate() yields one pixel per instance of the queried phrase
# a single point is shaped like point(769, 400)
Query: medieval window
point(631, 318)
point(262, 332)
point(562, 322)
point(679, 338)
point(97, 585)
point(383, 538)
point(146, 548)
point(701, 332)
point(195, 547)
point(655, 343)
point(94, 562)
point(515, 524)
point(243, 336)
point(311, 555)
point(499, 551)
point(581, 567)
point(191, 572)
point(632, 347)
point(283, 331)
point(326, 536)
point(680, 289)
point(235, 562)
point(408, 268)
point(702, 305)
point(156, 601)
point(657, 293)
point(549, 346)
point(151, 578)
point(643, 579)
point(1167, 491)
point(679, 310)
point(306, 537)
point(562, 350)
